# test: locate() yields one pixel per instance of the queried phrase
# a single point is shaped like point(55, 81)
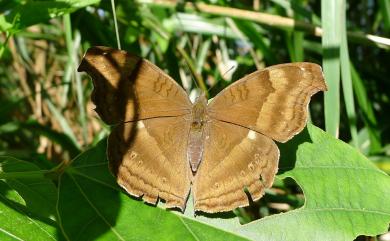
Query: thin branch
point(115, 24)
point(270, 20)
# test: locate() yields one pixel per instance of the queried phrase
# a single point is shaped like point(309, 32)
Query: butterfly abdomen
point(195, 148)
point(196, 134)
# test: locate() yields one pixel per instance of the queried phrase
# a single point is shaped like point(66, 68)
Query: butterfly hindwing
point(234, 158)
point(148, 158)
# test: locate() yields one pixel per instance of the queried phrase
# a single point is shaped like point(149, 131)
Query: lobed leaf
point(332, 175)
point(346, 195)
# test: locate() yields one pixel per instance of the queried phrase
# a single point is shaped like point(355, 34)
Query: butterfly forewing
point(127, 87)
point(272, 101)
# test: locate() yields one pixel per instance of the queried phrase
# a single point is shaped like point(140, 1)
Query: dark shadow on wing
point(122, 93)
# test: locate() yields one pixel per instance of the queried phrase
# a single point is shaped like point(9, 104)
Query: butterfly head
point(201, 98)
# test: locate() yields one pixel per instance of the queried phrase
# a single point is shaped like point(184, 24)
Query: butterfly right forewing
point(273, 101)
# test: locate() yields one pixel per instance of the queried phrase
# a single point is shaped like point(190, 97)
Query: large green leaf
point(346, 195)
point(27, 202)
point(91, 207)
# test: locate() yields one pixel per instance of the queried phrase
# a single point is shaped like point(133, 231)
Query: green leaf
point(346, 195)
point(106, 213)
point(39, 193)
point(27, 202)
point(34, 12)
point(4, 24)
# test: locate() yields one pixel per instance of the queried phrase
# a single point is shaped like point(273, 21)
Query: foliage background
point(47, 119)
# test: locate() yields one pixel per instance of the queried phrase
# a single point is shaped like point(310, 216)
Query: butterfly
point(163, 146)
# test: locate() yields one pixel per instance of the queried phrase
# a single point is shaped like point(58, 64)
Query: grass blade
point(384, 6)
point(72, 55)
point(331, 16)
point(297, 38)
point(347, 81)
point(366, 107)
point(63, 122)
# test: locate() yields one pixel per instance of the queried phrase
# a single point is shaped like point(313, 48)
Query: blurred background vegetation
point(46, 115)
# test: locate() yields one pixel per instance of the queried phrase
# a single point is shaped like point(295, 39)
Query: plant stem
point(270, 20)
point(115, 24)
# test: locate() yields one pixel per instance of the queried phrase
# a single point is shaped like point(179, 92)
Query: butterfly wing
point(128, 88)
point(147, 147)
point(244, 118)
point(272, 101)
point(234, 158)
point(149, 159)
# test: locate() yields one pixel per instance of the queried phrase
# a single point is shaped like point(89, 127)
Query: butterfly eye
point(196, 124)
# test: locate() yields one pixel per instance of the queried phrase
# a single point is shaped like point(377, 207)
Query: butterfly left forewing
point(272, 101)
point(234, 158)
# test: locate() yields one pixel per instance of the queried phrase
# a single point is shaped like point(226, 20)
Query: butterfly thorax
point(196, 134)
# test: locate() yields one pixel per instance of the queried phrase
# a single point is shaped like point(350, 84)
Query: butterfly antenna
point(223, 75)
point(195, 76)
point(191, 74)
point(227, 71)
point(116, 25)
point(198, 79)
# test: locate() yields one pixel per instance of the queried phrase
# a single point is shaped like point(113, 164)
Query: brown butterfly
point(162, 144)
